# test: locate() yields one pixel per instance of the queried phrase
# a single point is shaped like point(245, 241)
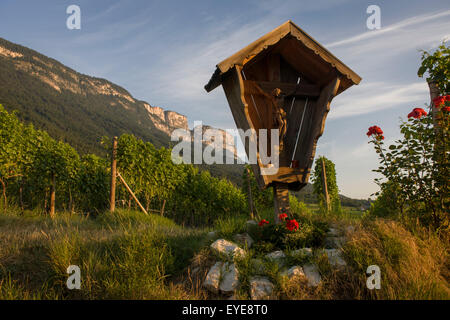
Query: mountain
point(80, 109)
point(74, 107)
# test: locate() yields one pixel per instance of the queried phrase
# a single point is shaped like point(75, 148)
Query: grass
point(125, 255)
point(128, 255)
point(414, 261)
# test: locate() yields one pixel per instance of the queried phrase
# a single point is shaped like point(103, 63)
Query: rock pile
point(223, 277)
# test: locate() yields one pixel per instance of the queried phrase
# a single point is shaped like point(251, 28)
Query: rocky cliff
point(77, 108)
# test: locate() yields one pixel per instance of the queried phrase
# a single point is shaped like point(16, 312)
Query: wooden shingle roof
point(312, 57)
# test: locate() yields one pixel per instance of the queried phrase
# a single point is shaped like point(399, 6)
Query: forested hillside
point(70, 106)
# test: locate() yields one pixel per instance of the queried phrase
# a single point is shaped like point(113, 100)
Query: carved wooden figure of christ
point(285, 80)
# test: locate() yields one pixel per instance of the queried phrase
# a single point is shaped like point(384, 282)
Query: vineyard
point(41, 174)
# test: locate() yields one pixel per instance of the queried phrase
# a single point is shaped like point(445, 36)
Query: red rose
point(446, 109)
point(439, 100)
point(282, 216)
point(263, 222)
point(417, 113)
point(374, 130)
point(292, 225)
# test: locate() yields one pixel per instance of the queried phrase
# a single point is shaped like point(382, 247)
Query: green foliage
point(333, 190)
point(387, 203)
point(416, 170)
point(437, 66)
point(298, 208)
point(29, 159)
point(311, 233)
point(416, 167)
point(261, 198)
point(227, 227)
point(93, 184)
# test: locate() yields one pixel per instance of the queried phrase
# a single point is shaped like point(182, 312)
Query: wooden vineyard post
point(325, 186)
point(162, 208)
point(250, 198)
point(280, 199)
point(112, 199)
point(53, 196)
point(132, 193)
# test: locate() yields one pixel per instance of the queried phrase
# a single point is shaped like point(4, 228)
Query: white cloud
point(188, 75)
point(410, 22)
point(377, 96)
point(372, 48)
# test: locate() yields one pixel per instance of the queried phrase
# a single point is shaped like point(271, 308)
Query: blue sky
point(164, 52)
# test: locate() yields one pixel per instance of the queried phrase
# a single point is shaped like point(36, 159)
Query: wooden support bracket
point(131, 193)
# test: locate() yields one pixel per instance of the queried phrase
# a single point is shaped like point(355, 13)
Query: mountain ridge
point(47, 93)
point(46, 73)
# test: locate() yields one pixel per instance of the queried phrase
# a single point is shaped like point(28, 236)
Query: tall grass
point(125, 255)
point(413, 266)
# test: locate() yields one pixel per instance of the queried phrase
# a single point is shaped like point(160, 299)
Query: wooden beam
point(131, 193)
point(286, 175)
point(234, 90)
point(318, 122)
point(273, 67)
point(289, 89)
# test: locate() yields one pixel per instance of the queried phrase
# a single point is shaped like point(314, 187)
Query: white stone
point(251, 223)
point(230, 278)
point(276, 255)
point(212, 280)
point(293, 272)
point(244, 239)
point(303, 251)
point(260, 288)
point(227, 248)
point(312, 274)
point(335, 258)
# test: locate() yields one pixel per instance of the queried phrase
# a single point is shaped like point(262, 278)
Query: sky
point(164, 52)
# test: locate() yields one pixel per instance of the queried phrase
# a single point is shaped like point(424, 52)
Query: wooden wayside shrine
point(285, 80)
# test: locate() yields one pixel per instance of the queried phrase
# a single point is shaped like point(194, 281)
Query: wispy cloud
point(376, 54)
point(377, 96)
point(410, 22)
point(188, 69)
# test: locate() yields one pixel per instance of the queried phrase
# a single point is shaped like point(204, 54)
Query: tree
point(333, 190)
